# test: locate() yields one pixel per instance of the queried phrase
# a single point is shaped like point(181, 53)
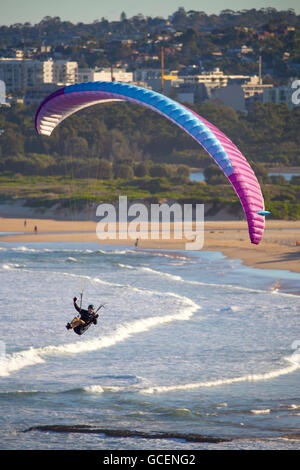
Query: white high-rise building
point(20, 74)
point(65, 72)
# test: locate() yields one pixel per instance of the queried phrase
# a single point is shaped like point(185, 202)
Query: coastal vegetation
point(105, 151)
point(268, 134)
point(76, 194)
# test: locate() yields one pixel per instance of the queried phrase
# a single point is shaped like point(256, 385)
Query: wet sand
point(278, 249)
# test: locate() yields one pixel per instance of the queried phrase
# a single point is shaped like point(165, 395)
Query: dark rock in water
point(190, 437)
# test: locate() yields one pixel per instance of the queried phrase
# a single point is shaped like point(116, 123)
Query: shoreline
point(278, 249)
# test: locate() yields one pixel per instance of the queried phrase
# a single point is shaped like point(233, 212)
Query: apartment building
point(104, 75)
point(20, 74)
point(254, 86)
point(65, 72)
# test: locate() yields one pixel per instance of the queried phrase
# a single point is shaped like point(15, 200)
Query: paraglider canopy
point(66, 101)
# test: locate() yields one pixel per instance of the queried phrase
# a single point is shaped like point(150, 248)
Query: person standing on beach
point(35, 229)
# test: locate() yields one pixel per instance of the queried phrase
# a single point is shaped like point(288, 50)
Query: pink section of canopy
point(245, 183)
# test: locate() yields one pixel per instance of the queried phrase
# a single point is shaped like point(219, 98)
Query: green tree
point(142, 169)
point(76, 146)
point(124, 171)
point(12, 143)
point(183, 171)
point(159, 170)
point(105, 170)
point(260, 172)
point(213, 175)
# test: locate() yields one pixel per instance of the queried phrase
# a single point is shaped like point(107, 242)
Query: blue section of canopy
point(174, 111)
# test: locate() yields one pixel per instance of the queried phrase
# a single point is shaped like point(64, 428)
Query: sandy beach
point(278, 249)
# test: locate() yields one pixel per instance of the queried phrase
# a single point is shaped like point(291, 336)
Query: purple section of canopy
point(49, 98)
point(59, 106)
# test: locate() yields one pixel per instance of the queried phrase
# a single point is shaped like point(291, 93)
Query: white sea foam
point(160, 273)
point(119, 252)
point(107, 388)
point(261, 411)
point(206, 284)
point(9, 266)
point(25, 249)
point(293, 406)
point(19, 360)
point(167, 255)
point(222, 381)
point(94, 389)
point(91, 279)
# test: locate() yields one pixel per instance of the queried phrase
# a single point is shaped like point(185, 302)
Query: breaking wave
point(295, 364)
point(205, 284)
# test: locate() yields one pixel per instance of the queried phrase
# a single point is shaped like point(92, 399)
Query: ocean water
point(199, 176)
point(187, 343)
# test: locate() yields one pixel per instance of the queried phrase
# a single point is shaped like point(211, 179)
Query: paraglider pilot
point(85, 315)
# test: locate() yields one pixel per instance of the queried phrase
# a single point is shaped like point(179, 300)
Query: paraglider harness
point(85, 320)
